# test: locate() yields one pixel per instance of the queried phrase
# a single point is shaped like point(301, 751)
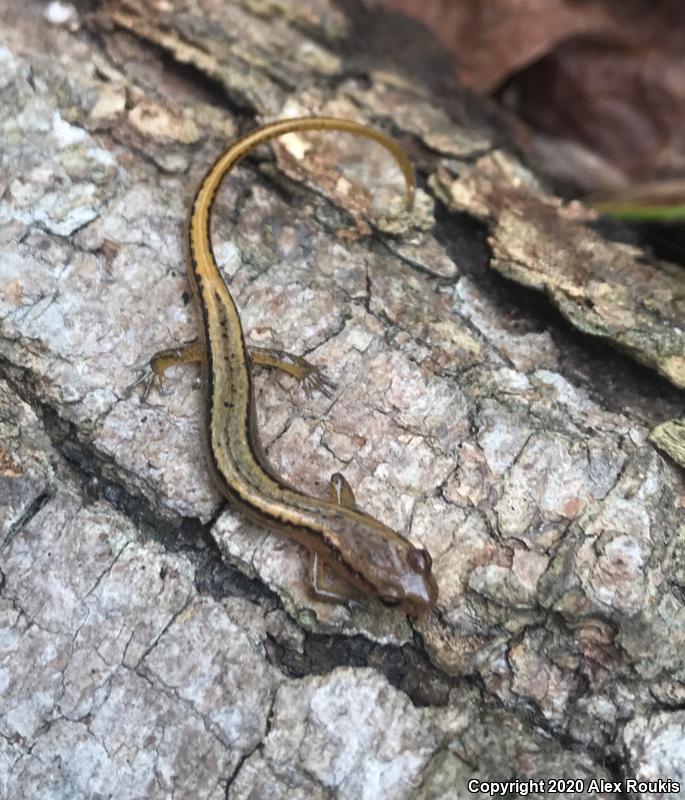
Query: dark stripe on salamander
point(211, 355)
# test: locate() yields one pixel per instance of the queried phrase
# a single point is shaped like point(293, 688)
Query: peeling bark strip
point(670, 438)
point(605, 289)
point(134, 663)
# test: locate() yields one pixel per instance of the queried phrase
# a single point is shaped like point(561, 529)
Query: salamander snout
point(416, 591)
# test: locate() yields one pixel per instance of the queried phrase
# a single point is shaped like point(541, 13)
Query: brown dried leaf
point(491, 39)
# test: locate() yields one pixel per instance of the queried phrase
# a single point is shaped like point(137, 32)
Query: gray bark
point(154, 643)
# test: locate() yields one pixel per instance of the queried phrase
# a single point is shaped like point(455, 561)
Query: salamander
point(367, 555)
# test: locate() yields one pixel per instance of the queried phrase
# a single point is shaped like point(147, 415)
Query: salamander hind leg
point(309, 375)
point(152, 376)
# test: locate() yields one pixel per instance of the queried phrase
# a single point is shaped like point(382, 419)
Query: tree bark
point(500, 366)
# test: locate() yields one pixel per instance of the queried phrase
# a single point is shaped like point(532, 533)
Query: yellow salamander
point(364, 552)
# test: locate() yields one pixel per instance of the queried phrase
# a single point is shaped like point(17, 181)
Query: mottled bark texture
point(155, 644)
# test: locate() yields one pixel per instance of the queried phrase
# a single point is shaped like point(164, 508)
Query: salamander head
point(381, 562)
point(413, 588)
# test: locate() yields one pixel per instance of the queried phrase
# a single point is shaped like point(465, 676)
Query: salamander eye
point(419, 560)
point(391, 596)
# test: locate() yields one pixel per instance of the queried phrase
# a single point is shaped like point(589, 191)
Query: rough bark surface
point(154, 643)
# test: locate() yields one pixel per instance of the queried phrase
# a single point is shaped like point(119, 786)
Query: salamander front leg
point(321, 590)
point(340, 491)
point(309, 375)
